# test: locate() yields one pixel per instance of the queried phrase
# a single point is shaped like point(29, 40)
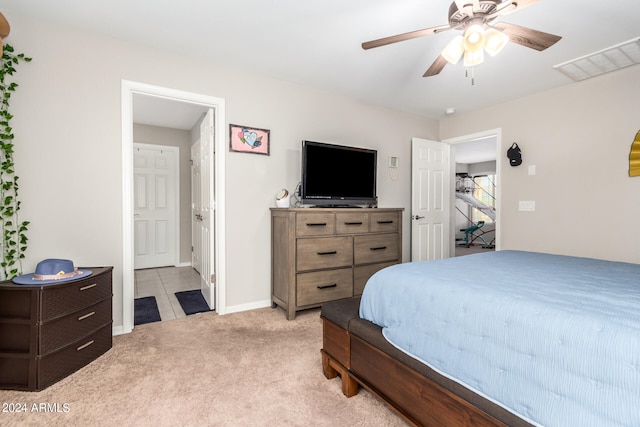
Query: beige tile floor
point(163, 283)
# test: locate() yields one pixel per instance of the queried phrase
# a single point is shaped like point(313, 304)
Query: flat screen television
point(337, 175)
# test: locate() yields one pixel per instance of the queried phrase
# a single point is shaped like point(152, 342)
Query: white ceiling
point(157, 111)
point(476, 151)
point(317, 42)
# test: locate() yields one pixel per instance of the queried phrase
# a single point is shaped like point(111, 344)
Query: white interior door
point(196, 208)
point(206, 211)
point(155, 205)
point(430, 200)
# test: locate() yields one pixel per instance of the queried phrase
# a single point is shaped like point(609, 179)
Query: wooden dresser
point(322, 254)
point(49, 331)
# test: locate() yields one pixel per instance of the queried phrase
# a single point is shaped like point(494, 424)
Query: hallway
point(163, 283)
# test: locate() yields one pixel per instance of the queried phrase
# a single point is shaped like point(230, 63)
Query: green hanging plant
point(14, 237)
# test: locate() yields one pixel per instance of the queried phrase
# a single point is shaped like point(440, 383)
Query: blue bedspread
point(554, 339)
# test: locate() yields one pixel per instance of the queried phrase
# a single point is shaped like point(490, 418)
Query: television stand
point(321, 255)
point(336, 206)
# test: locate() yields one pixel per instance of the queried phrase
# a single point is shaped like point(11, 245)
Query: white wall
point(578, 137)
point(68, 147)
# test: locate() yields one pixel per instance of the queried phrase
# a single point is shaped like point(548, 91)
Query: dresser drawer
point(70, 298)
point(324, 252)
point(322, 286)
point(71, 328)
point(352, 222)
point(375, 248)
point(384, 222)
point(315, 224)
point(364, 272)
point(58, 365)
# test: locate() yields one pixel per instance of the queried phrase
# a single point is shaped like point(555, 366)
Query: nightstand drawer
point(322, 286)
point(375, 248)
point(324, 252)
point(315, 224)
point(384, 222)
point(65, 299)
point(351, 223)
point(71, 328)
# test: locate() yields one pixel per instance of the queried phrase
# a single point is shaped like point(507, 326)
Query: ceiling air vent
point(604, 61)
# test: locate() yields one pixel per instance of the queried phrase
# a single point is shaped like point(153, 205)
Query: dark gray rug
point(145, 311)
point(192, 302)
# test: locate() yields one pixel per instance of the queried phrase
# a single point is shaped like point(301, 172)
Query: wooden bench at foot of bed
point(356, 350)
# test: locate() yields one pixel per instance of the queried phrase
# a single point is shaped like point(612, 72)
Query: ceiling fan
point(473, 18)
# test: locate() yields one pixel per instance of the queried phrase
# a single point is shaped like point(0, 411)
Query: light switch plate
point(393, 162)
point(527, 205)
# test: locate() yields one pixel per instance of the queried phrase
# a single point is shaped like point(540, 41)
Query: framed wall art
point(246, 139)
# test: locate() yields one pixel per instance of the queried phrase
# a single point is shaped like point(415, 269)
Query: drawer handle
point(386, 222)
point(378, 248)
point(84, 288)
point(328, 253)
point(333, 285)
point(353, 223)
point(86, 315)
point(83, 346)
point(316, 224)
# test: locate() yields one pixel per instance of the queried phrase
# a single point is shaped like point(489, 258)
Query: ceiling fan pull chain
point(466, 74)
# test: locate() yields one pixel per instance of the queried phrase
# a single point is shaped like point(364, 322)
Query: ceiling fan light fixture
point(454, 50)
point(495, 41)
point(471, 59)
point(474, 38)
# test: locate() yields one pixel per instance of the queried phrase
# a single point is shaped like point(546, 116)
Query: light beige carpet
point(245, 369)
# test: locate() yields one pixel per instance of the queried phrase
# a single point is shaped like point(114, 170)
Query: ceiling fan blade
point(504, 8)
point(527, 37)
point(402, 37)
point(5, 28)
point(519, 4)
point(436, 67)
point(460, 4)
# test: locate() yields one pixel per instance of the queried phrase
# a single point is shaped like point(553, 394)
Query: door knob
point(417, 217)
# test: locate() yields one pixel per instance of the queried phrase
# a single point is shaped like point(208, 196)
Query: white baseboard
point(184, 264)
point(118, 330)
point(248, 306)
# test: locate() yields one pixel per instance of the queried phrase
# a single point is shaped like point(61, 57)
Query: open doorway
point(164, 108)
point(475, 172)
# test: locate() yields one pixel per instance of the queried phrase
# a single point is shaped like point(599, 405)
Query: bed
point(497, 338)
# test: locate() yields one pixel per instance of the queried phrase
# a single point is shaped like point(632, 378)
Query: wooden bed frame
point(351, 349)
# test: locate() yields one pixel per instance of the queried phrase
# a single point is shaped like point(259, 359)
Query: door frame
point(176, 201)
point(497, 133)
point(128, 88)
